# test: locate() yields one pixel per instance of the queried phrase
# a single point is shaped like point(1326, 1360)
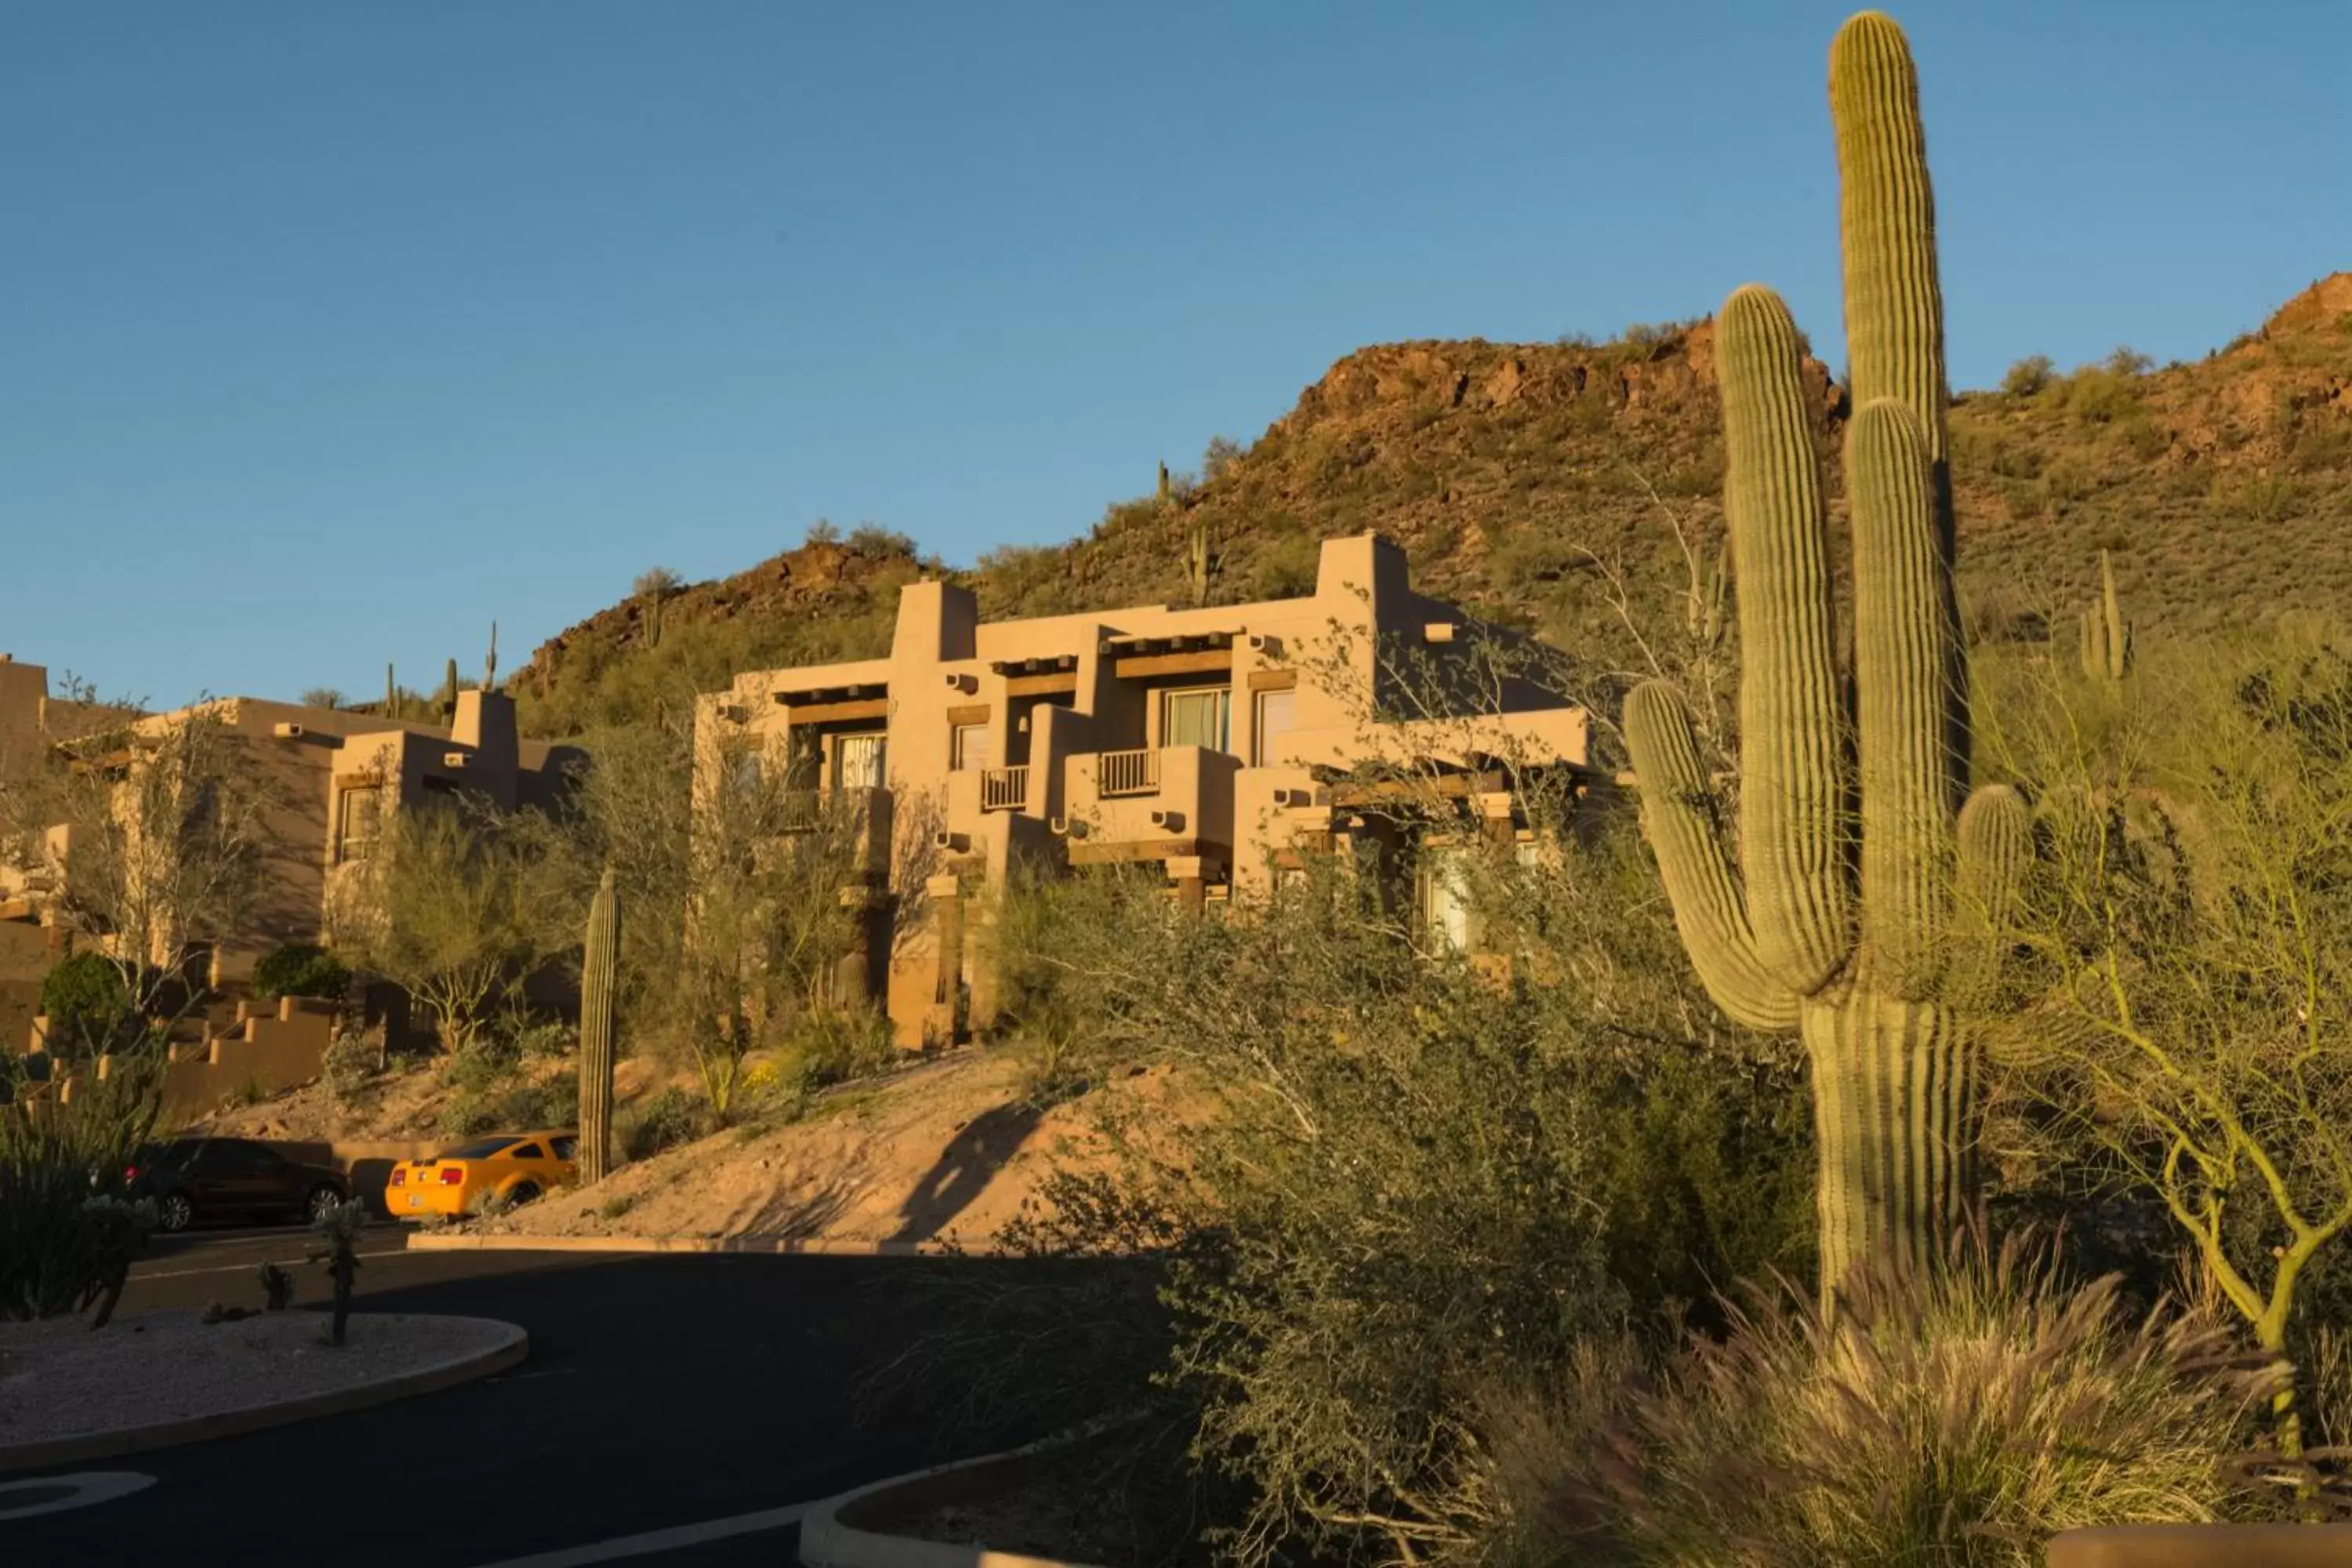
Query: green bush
point(301, 969)
point(665, 1119)
point(1416, 1181)
point(833, 1045)
point(351, 1063)
point(1962, 1419)
point(87, 1002)
point(67, 1232)
point(2028, 376)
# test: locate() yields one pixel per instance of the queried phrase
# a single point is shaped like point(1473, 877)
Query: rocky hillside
point(1544, 484)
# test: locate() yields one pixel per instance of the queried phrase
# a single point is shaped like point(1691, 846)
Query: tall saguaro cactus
point(598, 974)
point(2106, 636)
point(1855, 913)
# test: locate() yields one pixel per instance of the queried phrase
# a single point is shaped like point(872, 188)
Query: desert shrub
point(833, 1045)
point(665, 1120)
point(300, 969)
point(1284, 567)
point(67, 1232)
point(1959, 1417)
point(86, 1001)
point(483, 1063)
point(1416, 1179)
point(2028, 376)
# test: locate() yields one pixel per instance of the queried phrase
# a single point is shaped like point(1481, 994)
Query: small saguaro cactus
point(1197, 562)
point(338, 1229)
point(1858, 910)
point(450, 689)
point(1704, 602)
point(490, 661)
point(598, 973)
point(2106, 636)
point(391, 693)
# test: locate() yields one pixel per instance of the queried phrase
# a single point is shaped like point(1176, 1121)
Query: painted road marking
point(249, 1268)
point(654, 1540)
point(56, 1494)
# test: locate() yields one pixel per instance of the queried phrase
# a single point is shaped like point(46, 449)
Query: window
point(565, 1148)
point(859, 761)
point(803, 761)
point(480, 1149)
point(359, 817)
point(527, 1152)
point(230, 1158)
point(1445, 896)
point(1278, 715)
point(1198, 718)
point(744, 773)
point(968, 747)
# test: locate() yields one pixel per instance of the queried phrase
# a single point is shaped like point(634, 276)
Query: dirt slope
point(945, 1150)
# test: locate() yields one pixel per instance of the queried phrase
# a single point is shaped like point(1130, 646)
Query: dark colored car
point(193, 1179)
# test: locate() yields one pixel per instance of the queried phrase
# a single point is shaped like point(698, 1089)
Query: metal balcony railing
point(1003, 789)
point(1128, 773)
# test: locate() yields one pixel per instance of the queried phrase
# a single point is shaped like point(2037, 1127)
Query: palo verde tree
point(151, 839)
point(2185, 958)
point(1855, 910)
point(454, 905)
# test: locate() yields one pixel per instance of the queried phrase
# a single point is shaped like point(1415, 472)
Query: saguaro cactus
point(391, 694)
point(2107, 636)
point(596, 1030)
point(450, 689)
point(1857, 912)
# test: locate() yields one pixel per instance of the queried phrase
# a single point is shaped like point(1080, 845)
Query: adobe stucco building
point(1217, 743)
point(331, 778)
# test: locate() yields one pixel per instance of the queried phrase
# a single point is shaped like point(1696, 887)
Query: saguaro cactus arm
point(1902, 656)
point(1710, 910)
point(1792, 783)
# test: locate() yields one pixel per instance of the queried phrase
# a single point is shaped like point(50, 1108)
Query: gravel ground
point(60, 1378)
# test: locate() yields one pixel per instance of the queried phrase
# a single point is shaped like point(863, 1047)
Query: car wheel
point(321, 1199)
point(521, 1193)
point(175, 1212)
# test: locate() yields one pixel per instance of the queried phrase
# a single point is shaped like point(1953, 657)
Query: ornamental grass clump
point(1957, 1416)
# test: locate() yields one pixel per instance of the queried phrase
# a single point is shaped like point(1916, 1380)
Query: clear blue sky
point(331, 331)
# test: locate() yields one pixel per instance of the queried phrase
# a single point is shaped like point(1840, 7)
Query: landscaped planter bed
point(67, 1390)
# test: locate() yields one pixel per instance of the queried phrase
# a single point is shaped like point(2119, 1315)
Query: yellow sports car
point(513, 1167)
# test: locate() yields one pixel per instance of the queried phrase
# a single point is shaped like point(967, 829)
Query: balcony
point(1150, 805)
point(1004, 789)
point(1126, 772)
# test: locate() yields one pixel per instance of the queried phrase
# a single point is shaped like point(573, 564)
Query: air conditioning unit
point(455, 759)
point(954, 842)
point(960, 682)
point(1065, 828)
point(1169, 821)
point(734, 713)
point(288, 732)
point(1437, 631)
point(1266, 643)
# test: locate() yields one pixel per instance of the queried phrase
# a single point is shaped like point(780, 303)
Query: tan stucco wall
point(947, 664)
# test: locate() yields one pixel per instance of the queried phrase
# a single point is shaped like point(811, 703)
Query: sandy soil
point(948, 1151)
point(60, 1378)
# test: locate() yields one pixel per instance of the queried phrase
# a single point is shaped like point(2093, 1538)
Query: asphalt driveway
point(661, 1391)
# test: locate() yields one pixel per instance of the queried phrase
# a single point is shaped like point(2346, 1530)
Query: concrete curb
point(826, 1542)
point(429, 1242)
point(121, 1440)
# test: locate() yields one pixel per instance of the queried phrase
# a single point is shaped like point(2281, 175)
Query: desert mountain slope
point(1541, 482)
